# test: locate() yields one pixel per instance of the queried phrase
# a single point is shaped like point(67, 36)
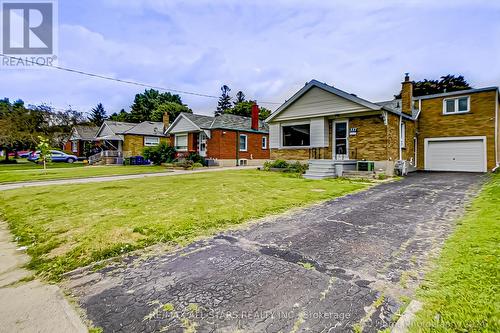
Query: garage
point(456, 154)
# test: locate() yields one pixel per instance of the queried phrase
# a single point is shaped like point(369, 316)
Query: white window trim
point(246, 142)
point(176, 143)
point(264, 142)
point(151, 138)
point(456, 138)
point(455, 99)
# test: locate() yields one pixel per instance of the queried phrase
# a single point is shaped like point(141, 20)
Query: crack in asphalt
point(329, 263)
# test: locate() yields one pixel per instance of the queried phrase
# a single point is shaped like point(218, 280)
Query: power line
point(98, 76)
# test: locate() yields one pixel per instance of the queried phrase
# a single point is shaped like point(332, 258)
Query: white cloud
point(267, 49)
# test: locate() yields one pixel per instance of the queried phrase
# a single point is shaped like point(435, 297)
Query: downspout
point(237, 148)
point(399, 138)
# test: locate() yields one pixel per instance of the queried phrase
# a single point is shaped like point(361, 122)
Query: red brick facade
point(224, 144)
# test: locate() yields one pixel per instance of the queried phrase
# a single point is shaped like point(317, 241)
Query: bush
point(196, 158)
point(159, 154)
point(197, 165)
point(186, 164)
point(275, 164)
point(295, 167)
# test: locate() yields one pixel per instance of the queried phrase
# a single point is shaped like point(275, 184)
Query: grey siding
point(318, 102)
point(183, 125)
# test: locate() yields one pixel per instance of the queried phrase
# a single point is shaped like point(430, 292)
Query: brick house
point(231, 140)
point(80, 136)
point(129, 139)
point(454, 131)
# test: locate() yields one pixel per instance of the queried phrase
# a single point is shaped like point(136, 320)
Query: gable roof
point(238, 123)
point(118, 128)
point(153, 128)
point(81, 132)
point(201, 121)
point(224, 121)
point(350, 97)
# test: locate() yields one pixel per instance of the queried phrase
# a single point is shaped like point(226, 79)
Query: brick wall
point(370, 141)
point(133, 145)
point(224, 143)
point(478, 122)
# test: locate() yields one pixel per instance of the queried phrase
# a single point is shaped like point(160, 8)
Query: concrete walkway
point(30, 306)
point(12, 186)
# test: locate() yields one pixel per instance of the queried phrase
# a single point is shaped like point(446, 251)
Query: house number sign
point(353, 131)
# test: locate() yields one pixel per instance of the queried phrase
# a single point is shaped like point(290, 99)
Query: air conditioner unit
point(365, 165)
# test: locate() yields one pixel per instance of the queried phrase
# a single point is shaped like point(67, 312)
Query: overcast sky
point(268, 49)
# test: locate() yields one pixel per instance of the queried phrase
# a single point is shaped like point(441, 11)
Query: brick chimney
point(407, 95)
point(255, 117)
point(166, 120)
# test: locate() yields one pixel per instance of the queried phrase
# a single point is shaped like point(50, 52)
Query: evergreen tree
point(97, 115)
point(224, 102)
point(240, 97)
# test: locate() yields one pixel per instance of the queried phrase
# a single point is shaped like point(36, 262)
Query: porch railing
point(110, 156)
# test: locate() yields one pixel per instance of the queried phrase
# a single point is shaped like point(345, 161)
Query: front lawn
point(462, 293)
point(66, 226)
point(12, 173)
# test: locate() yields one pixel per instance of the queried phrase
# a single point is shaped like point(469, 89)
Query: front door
point(202, 144)
point(340, 140)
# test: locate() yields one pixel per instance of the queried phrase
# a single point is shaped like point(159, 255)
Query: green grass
point(69, 226)
point(24, 164)
point(462, 293)
point(32, 172)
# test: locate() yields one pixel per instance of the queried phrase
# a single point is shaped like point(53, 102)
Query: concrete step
point(320, 173)
point(321, 167)
point(323, 162)
point(316, 176)
point(359, 174)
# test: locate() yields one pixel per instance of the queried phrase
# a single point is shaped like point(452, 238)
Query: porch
point(329, 168)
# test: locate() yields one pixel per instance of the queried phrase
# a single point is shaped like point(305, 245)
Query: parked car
point(56, 156)
point(23, 154)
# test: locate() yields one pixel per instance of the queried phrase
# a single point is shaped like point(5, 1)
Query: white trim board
point(456, 138)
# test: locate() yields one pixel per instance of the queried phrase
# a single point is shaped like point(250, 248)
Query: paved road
point(327, 268)
point(11, 186)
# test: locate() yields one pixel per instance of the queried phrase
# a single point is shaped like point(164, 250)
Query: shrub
point(295, 167)
point(159, 154)
point(281, 164)
point(197, 165)
point(187, 164)
point(196, 158)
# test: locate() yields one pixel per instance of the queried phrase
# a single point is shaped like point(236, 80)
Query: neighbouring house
point(228, 139)
point(454, 131)
point(80, 137)
point(119, 139)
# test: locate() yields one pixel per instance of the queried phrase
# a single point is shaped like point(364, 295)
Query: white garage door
point(455, 155)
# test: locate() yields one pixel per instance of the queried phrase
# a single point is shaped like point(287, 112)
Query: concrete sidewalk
point(30, 306)
point(12, 186)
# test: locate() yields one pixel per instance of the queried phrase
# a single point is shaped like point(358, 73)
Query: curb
point(407, 318)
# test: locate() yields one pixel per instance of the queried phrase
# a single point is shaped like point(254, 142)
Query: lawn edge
point(171, 248)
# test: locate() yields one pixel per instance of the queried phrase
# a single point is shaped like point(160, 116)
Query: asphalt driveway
point(338, 265)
